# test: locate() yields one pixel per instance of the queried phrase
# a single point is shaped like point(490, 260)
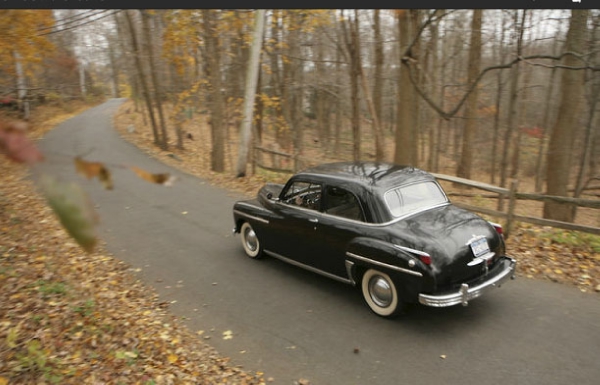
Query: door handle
point(314, 220)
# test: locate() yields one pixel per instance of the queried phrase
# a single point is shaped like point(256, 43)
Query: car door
point(343, 219)
point(299, 213)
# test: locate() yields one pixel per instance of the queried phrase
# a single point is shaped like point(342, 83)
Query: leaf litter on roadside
point(67, 317)
point(74, 318)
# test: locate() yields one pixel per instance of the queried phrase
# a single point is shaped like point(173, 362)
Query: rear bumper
point(466, 293)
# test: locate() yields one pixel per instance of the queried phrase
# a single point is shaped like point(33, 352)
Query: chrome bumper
point(466, 293)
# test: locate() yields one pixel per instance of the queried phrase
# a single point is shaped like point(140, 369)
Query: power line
point(80, 24)
point(71, 19)
point(64, 20)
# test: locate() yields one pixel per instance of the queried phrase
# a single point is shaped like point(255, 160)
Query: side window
point(303, 194)
point(342, 203)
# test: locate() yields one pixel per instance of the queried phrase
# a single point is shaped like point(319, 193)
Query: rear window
point(415, 197)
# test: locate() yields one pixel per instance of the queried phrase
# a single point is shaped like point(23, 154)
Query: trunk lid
point(456, 241)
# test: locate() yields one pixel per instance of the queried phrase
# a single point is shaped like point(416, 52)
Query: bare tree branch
point(407, 61)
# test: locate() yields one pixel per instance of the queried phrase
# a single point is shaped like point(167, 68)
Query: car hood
point(445, 233)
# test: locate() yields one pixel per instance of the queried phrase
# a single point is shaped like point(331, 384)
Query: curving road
point(293, 324)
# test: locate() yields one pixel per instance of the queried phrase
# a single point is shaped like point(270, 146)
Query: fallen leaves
point(99, 170)
point(73, 318)
point(94, 169)
point(544, 253)
point(164, 178)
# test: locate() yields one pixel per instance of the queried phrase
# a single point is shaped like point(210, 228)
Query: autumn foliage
point(21, 33)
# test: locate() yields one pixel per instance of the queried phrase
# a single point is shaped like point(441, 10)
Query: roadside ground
point(67, 317)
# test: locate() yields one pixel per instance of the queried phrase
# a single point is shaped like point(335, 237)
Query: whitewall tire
point(380, 294)
point(250, 241)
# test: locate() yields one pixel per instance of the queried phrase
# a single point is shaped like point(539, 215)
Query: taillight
point(497, 227)
point(425, 258)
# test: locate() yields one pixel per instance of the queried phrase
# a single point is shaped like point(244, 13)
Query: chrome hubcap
point(380, 291)
point(251, 240)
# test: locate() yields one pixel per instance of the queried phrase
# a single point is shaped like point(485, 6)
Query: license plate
point(480, 247)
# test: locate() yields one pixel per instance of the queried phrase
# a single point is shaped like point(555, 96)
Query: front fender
point(249, 210)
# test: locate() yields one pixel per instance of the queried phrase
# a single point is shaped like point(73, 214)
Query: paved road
point(293, 324)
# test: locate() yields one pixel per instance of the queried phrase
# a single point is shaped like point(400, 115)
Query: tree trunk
point(21, 86)
point(415, 55)
point(499, 90)
point(466, 159)
point(251, 83)
point(114, 72)
point(379, 60)
point(588, 141)
point(565, 129)
point(164, 140)
point(406, 144)
point(338, 100)
point(539, 175)
point(434, 70)
point(350, 33)
point(512, 106)
point(212, 58)
point(142, 76)
point(516, 163)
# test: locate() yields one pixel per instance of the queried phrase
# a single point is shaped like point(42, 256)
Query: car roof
point(372, 175)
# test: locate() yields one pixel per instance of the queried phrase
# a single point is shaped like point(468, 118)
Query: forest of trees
point(508, 93)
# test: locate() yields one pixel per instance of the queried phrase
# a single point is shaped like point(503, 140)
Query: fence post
point(514, 185)
point(253, 156)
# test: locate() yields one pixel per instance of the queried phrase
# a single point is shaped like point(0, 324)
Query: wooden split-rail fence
point(281, 162)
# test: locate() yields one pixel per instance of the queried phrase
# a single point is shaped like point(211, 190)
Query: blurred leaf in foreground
point(15, 144)
point(164, 179)
point(74, 209)
point(94, 169)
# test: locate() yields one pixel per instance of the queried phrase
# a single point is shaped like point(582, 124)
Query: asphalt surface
point(292, 324)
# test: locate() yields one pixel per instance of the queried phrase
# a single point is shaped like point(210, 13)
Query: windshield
point(415, 197)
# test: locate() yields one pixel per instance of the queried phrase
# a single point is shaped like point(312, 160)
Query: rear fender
point(410, 275)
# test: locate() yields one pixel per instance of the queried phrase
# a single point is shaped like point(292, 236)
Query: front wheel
point(380, 294)
point(250, 241)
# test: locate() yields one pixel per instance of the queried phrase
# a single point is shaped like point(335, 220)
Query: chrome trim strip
point(398, 219)
point(413, 251)
point(242, 203)
point(306, 267)
point(485, 257)
point(466, 293)
point(385, 265)
point(349, 267)
point(259, 219)
point(369, 224)
point(421, 210)
point(418, 212)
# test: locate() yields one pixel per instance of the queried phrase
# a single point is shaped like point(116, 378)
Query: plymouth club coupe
point(388, 229)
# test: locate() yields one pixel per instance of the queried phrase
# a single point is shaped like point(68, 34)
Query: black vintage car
point(386, 228)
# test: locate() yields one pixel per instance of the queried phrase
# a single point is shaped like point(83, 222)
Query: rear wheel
point(250, 241)
point(380, 294)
